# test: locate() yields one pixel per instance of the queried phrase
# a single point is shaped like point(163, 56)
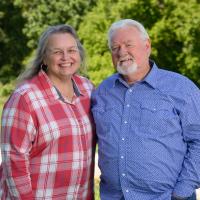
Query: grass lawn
point(96, 189)
point(2, 101)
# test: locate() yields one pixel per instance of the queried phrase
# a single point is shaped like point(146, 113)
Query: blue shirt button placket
point(123, 143)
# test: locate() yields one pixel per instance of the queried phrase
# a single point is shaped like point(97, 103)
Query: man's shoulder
point(174, 77)
point(174, 81)
point(105, 85)
point(171, 75)
point(108, 82)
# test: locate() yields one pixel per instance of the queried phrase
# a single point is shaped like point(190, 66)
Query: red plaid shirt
point(47, 143)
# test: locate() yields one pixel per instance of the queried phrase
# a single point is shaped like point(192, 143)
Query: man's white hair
point(124, 23)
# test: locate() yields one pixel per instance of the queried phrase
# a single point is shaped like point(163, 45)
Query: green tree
point(42, 13)
point(176, 38)
point(12, 41)
point(21, 24)
point(172, 25)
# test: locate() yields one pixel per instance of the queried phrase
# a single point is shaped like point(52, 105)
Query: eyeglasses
point(61, 52)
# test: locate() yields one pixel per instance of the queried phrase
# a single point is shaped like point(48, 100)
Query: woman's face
point(62, 56)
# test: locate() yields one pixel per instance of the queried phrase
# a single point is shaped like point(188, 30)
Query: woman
point(47, 131)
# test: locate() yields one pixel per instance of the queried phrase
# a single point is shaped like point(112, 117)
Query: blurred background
point(173, 26)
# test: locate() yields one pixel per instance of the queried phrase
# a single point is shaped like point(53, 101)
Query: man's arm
point(189, 178)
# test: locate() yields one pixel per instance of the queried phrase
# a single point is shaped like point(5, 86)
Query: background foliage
point(173, 26)
point(13, 47)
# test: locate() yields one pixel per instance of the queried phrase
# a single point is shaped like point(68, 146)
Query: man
point(148, 124)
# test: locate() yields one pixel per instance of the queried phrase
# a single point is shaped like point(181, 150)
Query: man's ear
point(148, 46)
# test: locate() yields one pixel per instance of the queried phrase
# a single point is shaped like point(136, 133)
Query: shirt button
point(123, 139)
point(122, 157)
point(128, 105)
point(130, 90)
point(125, 122)
point(123, 174)
point(127, 190)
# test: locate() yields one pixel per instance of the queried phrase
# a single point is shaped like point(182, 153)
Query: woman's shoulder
point(83, 81)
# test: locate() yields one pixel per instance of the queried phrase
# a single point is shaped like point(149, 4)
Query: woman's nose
point(65, 55)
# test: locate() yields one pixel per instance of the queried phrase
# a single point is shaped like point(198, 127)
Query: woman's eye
point(71, 51)
point(57, 52)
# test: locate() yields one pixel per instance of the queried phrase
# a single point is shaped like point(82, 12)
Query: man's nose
point(122, 50)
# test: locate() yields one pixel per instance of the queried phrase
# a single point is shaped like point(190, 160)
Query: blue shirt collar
point(152, 76)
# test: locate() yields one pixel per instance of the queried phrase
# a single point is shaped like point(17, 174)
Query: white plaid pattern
point(46, 143)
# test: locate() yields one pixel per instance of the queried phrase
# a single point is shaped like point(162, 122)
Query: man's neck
point(136, 76)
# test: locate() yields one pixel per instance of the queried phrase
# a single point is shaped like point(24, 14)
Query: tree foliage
point(21, 24)
point(12, 41)
point(176, 39)
point(173, 27)
point(42, 13)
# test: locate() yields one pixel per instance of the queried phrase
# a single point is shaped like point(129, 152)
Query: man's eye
point(129, 45)
point(115, 48)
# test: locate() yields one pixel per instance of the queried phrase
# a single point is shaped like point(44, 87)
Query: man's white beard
point(126, 70)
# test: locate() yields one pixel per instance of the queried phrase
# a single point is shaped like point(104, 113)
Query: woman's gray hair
point(37, 63)
point(124, 23)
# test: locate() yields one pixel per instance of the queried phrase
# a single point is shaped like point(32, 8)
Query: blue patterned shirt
point(148, 136)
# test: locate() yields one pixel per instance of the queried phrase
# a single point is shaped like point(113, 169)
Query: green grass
point(5, 91)
point(96, 189)
point(2, 101)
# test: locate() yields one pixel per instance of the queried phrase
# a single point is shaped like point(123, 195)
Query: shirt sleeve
point(189, 178)
point(17, 129)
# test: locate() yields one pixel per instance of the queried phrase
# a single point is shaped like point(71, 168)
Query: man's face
point(130, 52)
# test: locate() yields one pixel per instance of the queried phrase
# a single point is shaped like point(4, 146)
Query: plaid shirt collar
point(52, 92)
